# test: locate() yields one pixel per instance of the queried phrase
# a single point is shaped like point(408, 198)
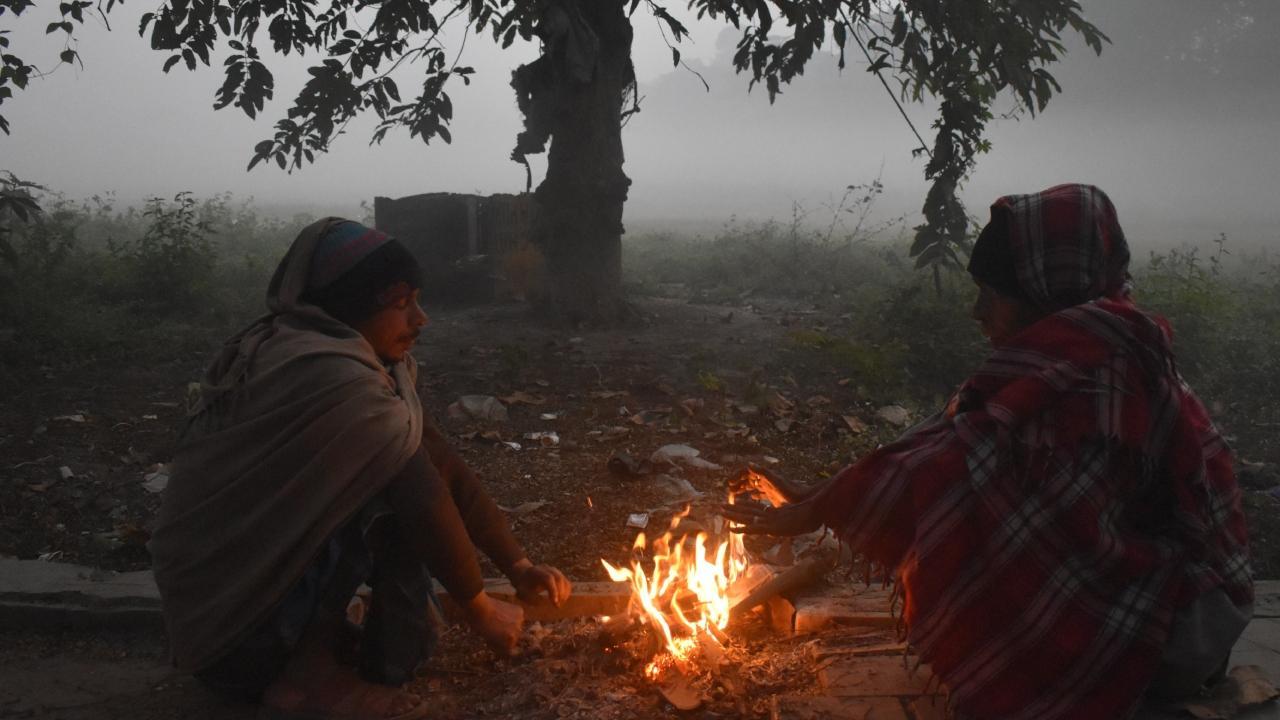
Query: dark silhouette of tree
point(575, 96)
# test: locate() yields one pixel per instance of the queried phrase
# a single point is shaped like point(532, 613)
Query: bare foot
point(315, 686)
point(340, 695)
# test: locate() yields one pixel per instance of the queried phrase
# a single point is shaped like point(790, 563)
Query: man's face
point(393, 329)
point(999, 316)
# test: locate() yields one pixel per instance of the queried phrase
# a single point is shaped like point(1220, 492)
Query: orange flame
point(684, 596)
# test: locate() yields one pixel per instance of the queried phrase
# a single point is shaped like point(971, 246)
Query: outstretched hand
point(795, 518)
point(777, 489)
point(539, 583)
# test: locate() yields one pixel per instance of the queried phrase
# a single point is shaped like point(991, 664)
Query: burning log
point(793, 579)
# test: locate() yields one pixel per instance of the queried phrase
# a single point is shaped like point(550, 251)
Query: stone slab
point(35, 593)
point(823, 707)
point(876, 677)
point(1266, 601)
point(32, 580)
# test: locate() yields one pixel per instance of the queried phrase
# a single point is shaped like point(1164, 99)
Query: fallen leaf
point(76, 418)
point(817, 400)
point(607, 394)
point(855, 425)
point(783, 425)
point(680, 693)
point(520, 397)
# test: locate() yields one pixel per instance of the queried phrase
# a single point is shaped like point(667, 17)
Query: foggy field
point(110, 313)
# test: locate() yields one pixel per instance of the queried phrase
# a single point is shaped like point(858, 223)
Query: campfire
point(686, 593)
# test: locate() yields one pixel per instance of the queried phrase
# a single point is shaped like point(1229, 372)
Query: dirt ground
point(79, 441)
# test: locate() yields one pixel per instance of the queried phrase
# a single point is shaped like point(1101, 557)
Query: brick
point(588, 599)
point(819, 613)
point(875, 677)
point(822, 707)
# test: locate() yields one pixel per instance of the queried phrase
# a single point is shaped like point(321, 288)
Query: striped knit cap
point(343, 245)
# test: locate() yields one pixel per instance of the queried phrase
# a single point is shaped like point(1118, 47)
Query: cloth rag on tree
point(1071, 499)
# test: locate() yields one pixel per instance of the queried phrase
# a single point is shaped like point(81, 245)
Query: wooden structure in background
point(472, 247)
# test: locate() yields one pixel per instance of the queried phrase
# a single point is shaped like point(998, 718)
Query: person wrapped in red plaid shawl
point(1068, 532)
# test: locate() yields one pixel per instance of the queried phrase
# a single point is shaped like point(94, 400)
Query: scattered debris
point(156, 480)
point(680, 693)
point(478, 407)
point(546, 438)
point(894, 415)
point(681, 456)
point(681, 489)
point(66, 473)
point(638, 521)
point(607, 394)
point(692, 406)
point(549, 416)
point(76, 418)
point(623, 465)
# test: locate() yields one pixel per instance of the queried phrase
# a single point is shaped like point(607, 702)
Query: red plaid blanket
point(1048, 524)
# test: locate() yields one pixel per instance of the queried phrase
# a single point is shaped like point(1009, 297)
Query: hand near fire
point(539, 583)
point(776, 489)
point(795, 518)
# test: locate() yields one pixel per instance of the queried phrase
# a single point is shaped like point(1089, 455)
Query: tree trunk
point(579, 229)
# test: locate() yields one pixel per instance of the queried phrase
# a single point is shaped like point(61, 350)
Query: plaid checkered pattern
point(1048, 524)
point(1067, 244)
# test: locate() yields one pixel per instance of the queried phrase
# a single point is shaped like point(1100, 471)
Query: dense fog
point(1176, 119)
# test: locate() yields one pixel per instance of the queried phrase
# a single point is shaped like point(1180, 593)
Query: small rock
point(894, 415)
point(478, 407)
point(155, 482)
point(639, 521)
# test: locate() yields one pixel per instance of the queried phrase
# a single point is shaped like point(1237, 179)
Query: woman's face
point(1000, 316)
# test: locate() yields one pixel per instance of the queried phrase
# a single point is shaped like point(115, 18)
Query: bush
point(175, 275)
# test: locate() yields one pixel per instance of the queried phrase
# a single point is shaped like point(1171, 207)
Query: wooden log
point(588, 599)
point(793, 579)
